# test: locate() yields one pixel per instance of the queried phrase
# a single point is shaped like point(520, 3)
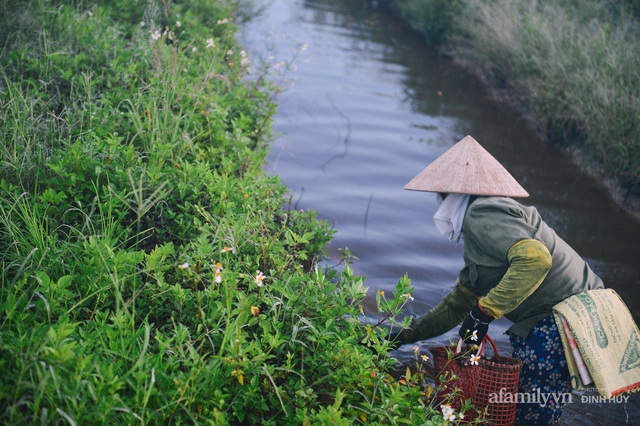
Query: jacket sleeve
point(447, 314)
point(529, 263)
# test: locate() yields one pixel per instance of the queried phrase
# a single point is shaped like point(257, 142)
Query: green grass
point(151, 272)
point(571, 68)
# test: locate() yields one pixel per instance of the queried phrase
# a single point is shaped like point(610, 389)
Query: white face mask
point(450, 215)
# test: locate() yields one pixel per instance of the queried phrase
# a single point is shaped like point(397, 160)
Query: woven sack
point(492, 384)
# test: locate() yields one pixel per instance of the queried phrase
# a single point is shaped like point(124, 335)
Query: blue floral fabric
point(545, 384)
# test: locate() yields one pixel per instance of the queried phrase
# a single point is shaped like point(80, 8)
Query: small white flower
point(218, 272)
point(446, 409)
point(155, 35)
point(193, 49)
point(185, 265)
point(142, 24)
point(210, 43)
point(474, 335)
point(226, 249)
point(223, 21)
point(408, 296)
point(474, 359)
point(178, 24)
point(259, 278)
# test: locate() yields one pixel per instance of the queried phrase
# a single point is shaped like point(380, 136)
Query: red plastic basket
point(492, 384)
point(456, 378)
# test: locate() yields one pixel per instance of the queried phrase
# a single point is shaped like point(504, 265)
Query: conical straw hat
point(467, 168)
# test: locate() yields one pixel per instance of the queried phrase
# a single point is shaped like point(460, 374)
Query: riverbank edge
point(436, 31)
point(510, 98)
point(623, 198)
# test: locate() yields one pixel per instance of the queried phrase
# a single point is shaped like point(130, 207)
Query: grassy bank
point(570, 67)
point(151, 272)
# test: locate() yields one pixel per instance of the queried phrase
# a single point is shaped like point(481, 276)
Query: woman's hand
point(475, 326)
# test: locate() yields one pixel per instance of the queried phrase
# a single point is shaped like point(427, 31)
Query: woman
point(516, 266)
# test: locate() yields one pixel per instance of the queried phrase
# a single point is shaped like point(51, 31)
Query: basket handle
point(487, 338)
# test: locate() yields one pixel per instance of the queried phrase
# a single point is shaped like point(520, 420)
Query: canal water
point(366, 106)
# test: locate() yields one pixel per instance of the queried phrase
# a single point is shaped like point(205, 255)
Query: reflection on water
point(372, 106)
